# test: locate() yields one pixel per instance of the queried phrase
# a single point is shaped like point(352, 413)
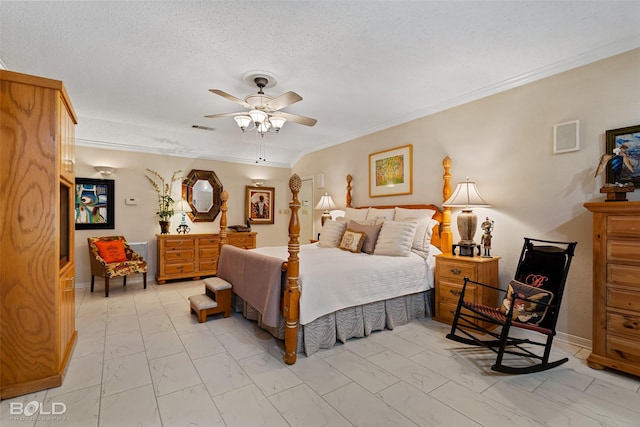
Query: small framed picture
point(259, 205)
point(94, 204)
point(624, 145)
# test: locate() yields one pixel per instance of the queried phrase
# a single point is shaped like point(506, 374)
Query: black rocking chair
point(532, 303)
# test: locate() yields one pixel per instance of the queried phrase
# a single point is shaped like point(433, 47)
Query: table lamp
point(466, 196)
point(326, 203)
point(183, 207)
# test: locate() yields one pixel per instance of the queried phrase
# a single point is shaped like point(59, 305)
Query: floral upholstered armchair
point(110, 257)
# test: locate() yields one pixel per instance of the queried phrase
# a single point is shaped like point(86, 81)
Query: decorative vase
point(164, 226)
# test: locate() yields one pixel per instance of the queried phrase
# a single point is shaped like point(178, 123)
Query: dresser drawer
point(182, 254)
point(624, 324)
point(178, 268)
point(623, 225)
point(623, 250)
point(456, 270)
point(245, 242)
point(208, 241)
point(209, 265)
point(211, 252)
point(623, 298)
point(178, 243)
point(623, 274)
point(623, 349)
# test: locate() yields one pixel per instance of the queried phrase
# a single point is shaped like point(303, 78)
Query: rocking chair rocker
point(532, 302)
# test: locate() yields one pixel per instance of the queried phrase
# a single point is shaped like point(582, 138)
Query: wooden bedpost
point(223, 219)
point(349, 179)
point(446, 236)
point(290, 309)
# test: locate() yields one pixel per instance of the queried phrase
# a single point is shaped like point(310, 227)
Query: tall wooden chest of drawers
point(449, 279)
point(184, 256)
point(616, 286)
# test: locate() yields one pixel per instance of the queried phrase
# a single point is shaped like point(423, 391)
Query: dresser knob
point(456, 271)
point(455, 292)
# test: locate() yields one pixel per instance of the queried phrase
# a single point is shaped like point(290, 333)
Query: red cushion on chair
point(112, 251)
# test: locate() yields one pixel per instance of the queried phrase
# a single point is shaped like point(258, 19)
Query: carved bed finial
point(291, 297)
point(446, 234)
point(223, 219)
point(349, 179)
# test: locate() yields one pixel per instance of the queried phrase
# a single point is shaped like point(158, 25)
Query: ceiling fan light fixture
point(243, 122)
point(264, 127)
point(277, 122)
point(258, 117)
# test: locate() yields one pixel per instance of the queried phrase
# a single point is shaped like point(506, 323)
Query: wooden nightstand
point(450, 273)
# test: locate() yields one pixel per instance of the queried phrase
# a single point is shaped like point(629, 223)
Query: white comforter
point(332, 279)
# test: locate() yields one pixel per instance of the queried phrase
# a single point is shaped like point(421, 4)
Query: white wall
point(504, 143)
point(138, 223)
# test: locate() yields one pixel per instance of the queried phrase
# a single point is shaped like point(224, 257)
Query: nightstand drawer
point(457, 270)
point(623, 349)
point(450, 292)
point(623, 274)
point(623, 251)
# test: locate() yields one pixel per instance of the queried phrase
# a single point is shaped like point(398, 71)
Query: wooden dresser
point(184, 256)
point(450, 273)
point(37, 272)
point(616, 286)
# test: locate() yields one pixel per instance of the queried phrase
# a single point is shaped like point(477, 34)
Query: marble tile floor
point(143, 360)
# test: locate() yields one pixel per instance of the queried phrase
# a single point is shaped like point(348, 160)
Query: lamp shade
point(277, 122)
point(326, 203)
point(465, 195)
point(183, 206)
point(243, 121)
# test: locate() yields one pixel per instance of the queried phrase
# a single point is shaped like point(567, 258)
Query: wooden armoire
point(37, 259)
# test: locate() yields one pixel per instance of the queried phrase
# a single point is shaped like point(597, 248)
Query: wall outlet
point(130, 201)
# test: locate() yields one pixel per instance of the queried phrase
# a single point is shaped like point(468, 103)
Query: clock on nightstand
point(450, 273)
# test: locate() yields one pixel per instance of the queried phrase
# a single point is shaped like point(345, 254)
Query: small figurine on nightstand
point(487, 226)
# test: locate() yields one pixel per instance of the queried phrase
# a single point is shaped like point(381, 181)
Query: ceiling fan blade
point(230, 97)
point(307, 121)
point(283, 100)
point(215, 116)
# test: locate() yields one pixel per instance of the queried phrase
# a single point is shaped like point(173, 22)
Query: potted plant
point(165, 201)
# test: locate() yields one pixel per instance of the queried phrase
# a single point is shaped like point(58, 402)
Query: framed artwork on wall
point(624, 146)
point(259, 205)
point(94, 204)
point(390, 172)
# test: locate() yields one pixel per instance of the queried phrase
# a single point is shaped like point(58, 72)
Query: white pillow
point(396, 238)
point(331, 233)
point(357, 214)
point(377, 213)
point(404, 213)
point(422, 238)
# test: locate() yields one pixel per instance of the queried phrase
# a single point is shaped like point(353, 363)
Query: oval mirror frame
point(188, 185)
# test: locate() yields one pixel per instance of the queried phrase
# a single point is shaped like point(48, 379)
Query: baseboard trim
point(575, 340)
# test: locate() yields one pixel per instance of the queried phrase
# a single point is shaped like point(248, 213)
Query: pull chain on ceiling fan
point(264, 113)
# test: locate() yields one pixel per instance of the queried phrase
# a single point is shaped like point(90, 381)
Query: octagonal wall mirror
point(203, 190)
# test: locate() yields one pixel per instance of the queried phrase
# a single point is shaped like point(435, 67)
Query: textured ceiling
point(138, 73)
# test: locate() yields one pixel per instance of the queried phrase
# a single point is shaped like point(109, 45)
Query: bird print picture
point(622, 157)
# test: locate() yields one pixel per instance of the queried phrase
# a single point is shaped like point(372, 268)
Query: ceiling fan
point(263, 113)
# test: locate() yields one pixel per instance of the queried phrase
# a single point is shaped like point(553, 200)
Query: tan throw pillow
point(331, 233)
point(396, 238)
point(352, 241)
point(371, 234)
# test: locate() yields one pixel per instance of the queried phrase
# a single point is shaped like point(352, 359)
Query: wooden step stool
point(216, 299)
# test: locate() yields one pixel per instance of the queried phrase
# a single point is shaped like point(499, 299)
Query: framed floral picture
point(624, 146)
point(259, 205)
point(94, 204)
point(390, 172)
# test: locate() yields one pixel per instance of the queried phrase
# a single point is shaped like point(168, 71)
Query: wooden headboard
point(442, 235)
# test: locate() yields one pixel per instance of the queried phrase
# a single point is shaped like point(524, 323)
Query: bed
point(313, 295)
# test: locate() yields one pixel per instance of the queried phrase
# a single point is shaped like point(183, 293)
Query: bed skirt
point(351, 322)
